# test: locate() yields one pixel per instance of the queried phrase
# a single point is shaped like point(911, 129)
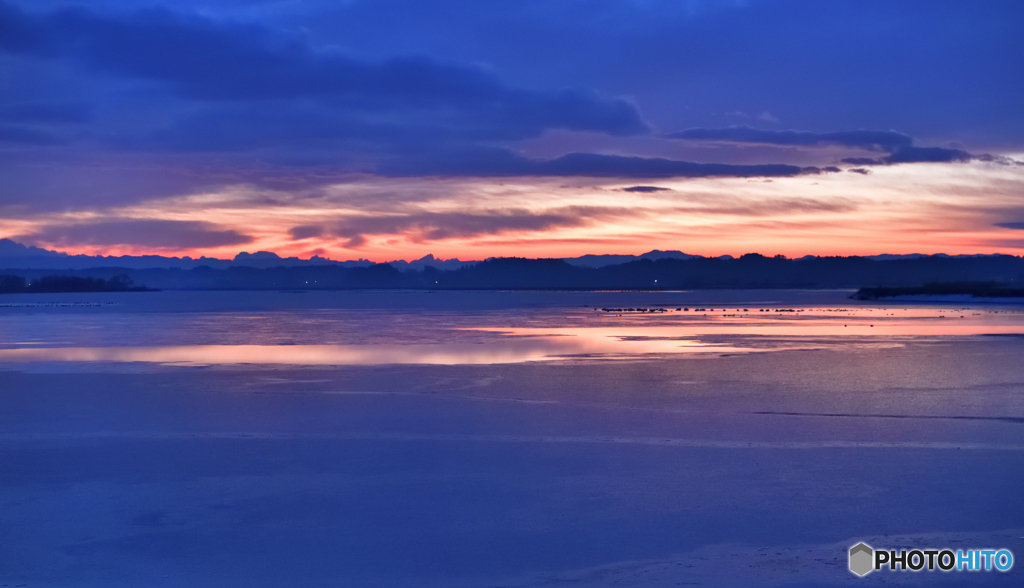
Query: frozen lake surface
point(748, 438)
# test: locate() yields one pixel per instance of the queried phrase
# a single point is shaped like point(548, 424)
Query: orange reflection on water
point(502, 350)
point(604, 336)
point(819, 329)
point(814, 322)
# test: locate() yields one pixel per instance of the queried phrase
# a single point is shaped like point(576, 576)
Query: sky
point(390, 129)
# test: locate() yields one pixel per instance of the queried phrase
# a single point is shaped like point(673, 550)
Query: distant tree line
point(974, 289)
point(13, 284)
point(748, 271)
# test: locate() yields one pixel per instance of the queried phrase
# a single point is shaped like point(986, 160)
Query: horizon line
point(429, 256)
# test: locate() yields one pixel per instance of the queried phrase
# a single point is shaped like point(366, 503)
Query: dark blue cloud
point(645, 189)
point(943, 69)
point(900, 147)
point(927, 155)
point(592, 164)
point(1016, 225)
point(157, 234)
point(861, 161)
point(502, 162)
point(887, 141)
point(205, 59)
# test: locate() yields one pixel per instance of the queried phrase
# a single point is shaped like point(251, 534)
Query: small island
point(971, 289)
point(61, 284)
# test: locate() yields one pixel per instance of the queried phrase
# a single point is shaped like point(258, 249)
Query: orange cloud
point(951, 208)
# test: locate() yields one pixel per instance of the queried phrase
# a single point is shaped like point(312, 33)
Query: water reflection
point(504, 349)
point(463, 339)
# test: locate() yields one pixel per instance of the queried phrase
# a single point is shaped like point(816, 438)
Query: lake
point(390, 438)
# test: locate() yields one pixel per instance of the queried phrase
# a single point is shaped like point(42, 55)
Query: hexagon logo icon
point(861, 556)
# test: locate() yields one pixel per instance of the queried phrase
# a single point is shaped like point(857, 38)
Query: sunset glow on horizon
point(935, 208)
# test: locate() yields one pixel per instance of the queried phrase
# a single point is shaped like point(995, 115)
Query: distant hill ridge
point(14, 255)
point(655, 271)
